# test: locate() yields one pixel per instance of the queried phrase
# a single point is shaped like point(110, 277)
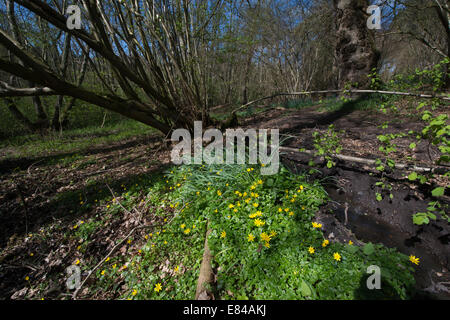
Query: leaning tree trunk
point(355, 48)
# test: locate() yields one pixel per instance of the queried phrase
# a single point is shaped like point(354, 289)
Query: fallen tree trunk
point(366, 161)
point(205, 278)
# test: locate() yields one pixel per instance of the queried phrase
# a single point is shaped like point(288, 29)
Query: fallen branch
point(304, 93)
point(205, 277)
point(371, 162)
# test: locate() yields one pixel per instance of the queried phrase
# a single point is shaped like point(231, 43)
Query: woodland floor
point(38, 195)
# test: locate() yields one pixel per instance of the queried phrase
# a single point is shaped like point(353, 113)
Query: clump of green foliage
point(264, 240)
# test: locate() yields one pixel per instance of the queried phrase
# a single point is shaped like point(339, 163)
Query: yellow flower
point(311, 250)
point(31, 254)
point(27, 278)
point(325, 243)
point(272, 234)
point(250, 238)
point(107, 259)
point(215, 211)
point(114, 266)
point(219, 193)
point(187, 231)
point(317, 225)
point(183, 226)
point(177, 268)
point(265, 237)
point(337, 256)
point(197, 193)
point(414, 260)
point(291, 213)
point(280, 210)
point(158, 287)
point(267, 245)
point(256, 205)
point(286, 209)
point(260, 181)
point(259, 222)
point(231, 206)
point(134, 292)
point(350, 242)
point(77, 262)
point(223, 234)
point(103, 272)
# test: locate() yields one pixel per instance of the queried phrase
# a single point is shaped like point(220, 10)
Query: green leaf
point(412, 146)
point(379, 197)
point(412, 176)
point(438, 192)
point(305, 289)
point(368, 248)
point(420, 218)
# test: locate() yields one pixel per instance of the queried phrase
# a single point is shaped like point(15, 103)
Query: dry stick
point(419, 95)
point(205, 276)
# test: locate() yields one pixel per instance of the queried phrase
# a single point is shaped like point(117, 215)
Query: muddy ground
point(28, 188)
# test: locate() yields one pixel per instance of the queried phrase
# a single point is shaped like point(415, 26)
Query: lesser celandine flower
point(158, 287)
point(316, 225)
point(414, 259)
point(259, 222)
point(265, 237)
point(223, 234)
point(337, 256)
point(325, 243)
point(250, 238)
point(311, 250)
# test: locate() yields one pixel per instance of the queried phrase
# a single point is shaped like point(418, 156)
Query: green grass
point(74, 140)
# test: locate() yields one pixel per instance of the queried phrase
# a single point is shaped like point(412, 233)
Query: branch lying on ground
point(371, 162)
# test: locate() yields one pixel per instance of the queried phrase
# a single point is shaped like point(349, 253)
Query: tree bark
point(355, 49)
